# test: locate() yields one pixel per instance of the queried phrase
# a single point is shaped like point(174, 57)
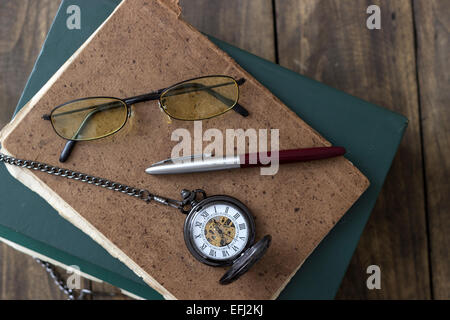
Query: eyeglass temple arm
point(65, 153)
point(237, 107)
point(198, 86)
point(103, 106)
point(157, 94)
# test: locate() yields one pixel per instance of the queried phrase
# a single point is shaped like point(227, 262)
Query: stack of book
point(315, 212)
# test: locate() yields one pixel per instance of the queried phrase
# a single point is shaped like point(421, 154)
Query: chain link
point(71, 294)
point(141, 194)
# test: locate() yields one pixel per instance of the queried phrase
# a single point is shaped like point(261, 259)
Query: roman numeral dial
point(220, 231)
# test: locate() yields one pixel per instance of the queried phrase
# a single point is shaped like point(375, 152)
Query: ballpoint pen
point(202, 163)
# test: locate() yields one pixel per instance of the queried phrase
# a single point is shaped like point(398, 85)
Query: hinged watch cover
point(242, 264)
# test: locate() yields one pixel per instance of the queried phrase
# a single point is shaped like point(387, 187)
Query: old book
point(370, 133)
point(298, 206)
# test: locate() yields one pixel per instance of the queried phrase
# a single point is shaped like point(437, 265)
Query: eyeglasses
point(98, 117)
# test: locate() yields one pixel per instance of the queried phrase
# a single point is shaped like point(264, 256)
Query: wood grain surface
point(403, 67)
point(433, 33)
point(23, 28)
point(245, 24)
point(21, 277)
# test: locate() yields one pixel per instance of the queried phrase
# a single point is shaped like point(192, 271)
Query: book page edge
point(30, 180)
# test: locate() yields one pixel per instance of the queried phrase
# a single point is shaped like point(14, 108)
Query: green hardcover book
point(371, 135)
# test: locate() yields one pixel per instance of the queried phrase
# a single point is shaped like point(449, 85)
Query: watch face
point(219, 231)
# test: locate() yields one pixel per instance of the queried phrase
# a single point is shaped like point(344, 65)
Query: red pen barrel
point(293, 155)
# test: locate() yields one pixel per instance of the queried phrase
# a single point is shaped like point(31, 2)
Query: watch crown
point(185, 194)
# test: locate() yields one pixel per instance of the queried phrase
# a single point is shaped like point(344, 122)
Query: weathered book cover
point(310, 198)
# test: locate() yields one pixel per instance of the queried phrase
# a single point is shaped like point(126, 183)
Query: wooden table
point(403, 67)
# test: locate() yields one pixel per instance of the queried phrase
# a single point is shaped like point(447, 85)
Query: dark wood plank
point(432, 28)
point(247, 24)
point(21, 277)
point(328, 41)
point(23, 28)
point(105, 291)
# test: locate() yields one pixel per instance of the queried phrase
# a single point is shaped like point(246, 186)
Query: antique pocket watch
point(220, 231)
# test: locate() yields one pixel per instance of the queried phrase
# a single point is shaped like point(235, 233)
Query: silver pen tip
point(153, 170)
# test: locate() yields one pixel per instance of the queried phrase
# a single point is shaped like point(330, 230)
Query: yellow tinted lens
point(200, 98)
point(89, 119)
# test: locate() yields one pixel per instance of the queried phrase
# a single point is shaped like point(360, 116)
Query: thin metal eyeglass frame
point(155, 95)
